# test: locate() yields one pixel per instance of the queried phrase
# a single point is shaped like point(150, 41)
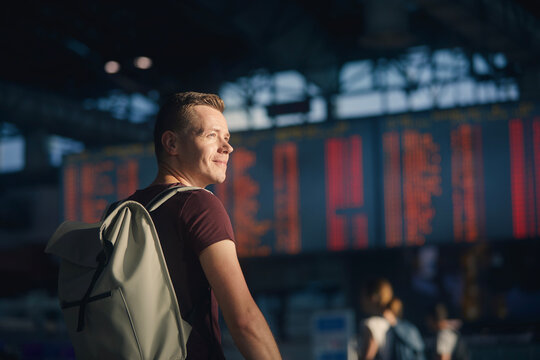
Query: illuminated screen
point(302, 189)
point(93, 180)
point(462, 175)
point(459, 175)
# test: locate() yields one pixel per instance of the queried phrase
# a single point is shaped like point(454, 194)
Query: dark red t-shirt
point(187, 224)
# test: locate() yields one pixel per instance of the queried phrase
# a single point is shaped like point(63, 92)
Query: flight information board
point(459, 175)
point(302, 189)
point(90, 181)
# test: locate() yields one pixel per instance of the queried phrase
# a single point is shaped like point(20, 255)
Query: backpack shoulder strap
point(198, 308)
point(157, 201)
point(168, 193)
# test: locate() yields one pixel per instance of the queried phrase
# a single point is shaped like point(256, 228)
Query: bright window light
point(11, 154)
point(61, 146)
point(112, 67)
point(143, 62)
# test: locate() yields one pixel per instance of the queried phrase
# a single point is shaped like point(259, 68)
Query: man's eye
point(212, 134)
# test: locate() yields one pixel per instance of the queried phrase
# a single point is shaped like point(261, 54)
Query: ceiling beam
point(32, 110)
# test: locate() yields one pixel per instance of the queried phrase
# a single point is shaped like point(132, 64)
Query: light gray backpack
point(114, 287)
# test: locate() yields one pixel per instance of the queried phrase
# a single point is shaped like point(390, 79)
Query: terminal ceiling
point(60, 48)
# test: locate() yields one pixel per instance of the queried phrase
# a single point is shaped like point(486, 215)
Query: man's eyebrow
point(218, 129)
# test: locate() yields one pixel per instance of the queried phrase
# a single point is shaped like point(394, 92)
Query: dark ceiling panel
point(62, 46)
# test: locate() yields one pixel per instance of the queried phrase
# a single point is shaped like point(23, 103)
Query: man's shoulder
point(146, 194)
point(202, 194)
point(191, 203)
point(149, 192)
point(201, 199)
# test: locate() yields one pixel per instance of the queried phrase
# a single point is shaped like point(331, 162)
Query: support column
point(37, 153)
point(327, 78)
point(529, 84)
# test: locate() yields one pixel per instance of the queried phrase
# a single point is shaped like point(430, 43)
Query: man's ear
point(169, 143)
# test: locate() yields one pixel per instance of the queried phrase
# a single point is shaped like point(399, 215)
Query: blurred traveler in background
point(404, 341)
point(376, 297)
point(449, 344)
point(385, 335)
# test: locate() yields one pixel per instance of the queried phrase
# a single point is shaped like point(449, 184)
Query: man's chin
point(219, 180)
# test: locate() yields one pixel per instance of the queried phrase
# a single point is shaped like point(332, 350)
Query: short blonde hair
point(174, 114)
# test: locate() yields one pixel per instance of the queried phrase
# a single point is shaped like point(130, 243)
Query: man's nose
point(226, 147)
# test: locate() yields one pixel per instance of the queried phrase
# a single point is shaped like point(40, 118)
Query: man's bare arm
point(245, 321)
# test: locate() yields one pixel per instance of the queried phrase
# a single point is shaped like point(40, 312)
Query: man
point(191, 141)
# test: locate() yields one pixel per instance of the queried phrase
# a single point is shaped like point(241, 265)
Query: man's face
point(204, 150)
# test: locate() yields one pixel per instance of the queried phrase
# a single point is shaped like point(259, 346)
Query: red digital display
point(90, 183)
point(524, 164)
point(286, 209)
point(536, 161)
point(413, 170)
point(249, 230)
point(437, 168)
point(393, 204)
point(467, 183)
point(461, 175)
point(346, 217)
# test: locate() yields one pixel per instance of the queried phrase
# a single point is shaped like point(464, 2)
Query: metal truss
point(34, 111)
point(420, 69)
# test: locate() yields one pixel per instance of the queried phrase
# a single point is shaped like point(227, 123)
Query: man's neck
point(166, 176)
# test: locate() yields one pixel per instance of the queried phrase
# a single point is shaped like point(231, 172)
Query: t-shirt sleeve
point(206, 220)
point(378, 326)
point(446, 341)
